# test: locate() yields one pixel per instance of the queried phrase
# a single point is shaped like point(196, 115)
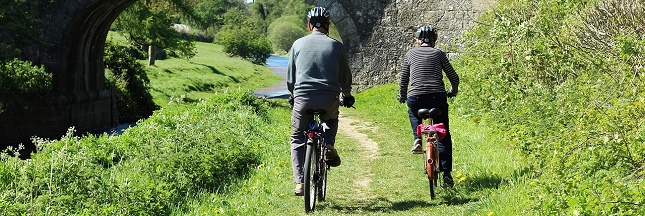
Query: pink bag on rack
point(440, 128)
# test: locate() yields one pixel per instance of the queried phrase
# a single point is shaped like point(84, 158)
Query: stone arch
point(81, 67)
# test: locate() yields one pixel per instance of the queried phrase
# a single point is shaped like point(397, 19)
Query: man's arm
point(345, 74)
point(291, 71)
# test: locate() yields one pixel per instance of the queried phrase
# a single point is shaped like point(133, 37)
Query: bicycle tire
point(310, 179)
point(322, 173)
point(430, 164)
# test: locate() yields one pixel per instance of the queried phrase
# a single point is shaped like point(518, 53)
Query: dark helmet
point(427, 34)
point(318, 17)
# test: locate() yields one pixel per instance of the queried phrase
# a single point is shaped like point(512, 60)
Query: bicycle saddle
point(315, 111)
point(429, 113)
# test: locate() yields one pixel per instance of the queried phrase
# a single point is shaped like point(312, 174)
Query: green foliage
point(150, 25)
point(130, 82)
point(21, 82)
point(243, 37)
point(154, 168)
point(563, 79)
point(284, 31)
point(18, 28)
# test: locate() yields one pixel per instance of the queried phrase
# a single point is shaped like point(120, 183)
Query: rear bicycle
point(431, 153)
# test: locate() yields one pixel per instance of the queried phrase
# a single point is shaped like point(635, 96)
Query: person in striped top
point(422, 86)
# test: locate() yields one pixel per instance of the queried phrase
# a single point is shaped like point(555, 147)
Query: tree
point(149, 25)
point(243, 36)
point(284, 31)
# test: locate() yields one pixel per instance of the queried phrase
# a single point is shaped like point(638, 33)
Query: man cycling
point(318, 72)
point(422, 70)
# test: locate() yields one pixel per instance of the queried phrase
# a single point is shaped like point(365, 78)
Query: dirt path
point(352, 128)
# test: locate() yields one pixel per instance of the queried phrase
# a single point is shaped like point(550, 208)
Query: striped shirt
point(422, 70)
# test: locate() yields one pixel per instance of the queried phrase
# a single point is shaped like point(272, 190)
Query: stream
point(278, 65)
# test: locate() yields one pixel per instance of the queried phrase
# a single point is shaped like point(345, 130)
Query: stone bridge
point(376, 34)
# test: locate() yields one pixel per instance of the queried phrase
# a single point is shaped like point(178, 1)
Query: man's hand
point(291, 101)
point(401, 99)
point(451, 93)
point(348, 101)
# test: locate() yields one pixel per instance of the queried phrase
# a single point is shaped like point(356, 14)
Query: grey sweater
point(318, 65)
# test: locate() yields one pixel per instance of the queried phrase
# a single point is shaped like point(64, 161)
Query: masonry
point(376, 33)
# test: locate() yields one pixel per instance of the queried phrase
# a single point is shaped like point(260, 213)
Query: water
point(278, 65)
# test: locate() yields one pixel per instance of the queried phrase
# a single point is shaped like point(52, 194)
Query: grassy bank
point(209, 72)
point(158, 167)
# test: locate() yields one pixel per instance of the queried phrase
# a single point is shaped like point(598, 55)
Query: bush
point(241, 37)
point(284, 31)
point(154, 168)
point(20, 82)
point(130, 82)
point(563, 78)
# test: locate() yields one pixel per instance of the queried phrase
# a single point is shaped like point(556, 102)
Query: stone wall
point(377, 33)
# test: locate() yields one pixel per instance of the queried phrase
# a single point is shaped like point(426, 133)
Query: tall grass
point(155, 168)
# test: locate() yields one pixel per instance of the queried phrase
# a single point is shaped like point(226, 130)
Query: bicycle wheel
point(310, 179)
point(430, 168)
point(322, 174)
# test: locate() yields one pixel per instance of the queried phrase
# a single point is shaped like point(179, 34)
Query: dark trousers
point(428, 101)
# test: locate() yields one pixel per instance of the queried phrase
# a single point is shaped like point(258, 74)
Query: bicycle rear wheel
point(321, 167)
point(310, 178)
point(430, 164)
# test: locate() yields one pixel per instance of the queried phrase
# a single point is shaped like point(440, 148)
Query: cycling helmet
point(426, 34)
point(318, 17)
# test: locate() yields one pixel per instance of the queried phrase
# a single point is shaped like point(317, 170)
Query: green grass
point(488, 172)
point(209, 72)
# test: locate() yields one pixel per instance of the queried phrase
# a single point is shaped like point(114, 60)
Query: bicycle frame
point(431, 152)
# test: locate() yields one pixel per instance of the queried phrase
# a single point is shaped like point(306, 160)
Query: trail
point(351, 127)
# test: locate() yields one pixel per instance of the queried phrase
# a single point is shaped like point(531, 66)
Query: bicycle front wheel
point(310, 179)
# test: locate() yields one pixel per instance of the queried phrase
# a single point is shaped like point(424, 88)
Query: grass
point(488, 173)
point(209, 72)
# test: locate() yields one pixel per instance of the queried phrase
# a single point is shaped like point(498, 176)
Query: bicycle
point(316, 167)
point(433, 133)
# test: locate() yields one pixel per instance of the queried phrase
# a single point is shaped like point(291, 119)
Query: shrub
point(21, 83)
point(130, 82)
point(152, 169)
point(563, 79)
point(240, 36)
point(284, 31)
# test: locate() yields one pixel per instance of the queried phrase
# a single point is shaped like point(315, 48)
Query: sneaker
point(299, 191)
point(416, 147)
point(447, 180)
point(331, 156)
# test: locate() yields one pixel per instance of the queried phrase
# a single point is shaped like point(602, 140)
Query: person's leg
point(299, 123)
point(330, 104)
point(445, 146)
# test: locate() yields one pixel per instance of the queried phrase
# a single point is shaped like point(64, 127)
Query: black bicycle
point(315, 165)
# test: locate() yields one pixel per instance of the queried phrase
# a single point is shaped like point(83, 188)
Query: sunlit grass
point(488, 172)
point(209, 72)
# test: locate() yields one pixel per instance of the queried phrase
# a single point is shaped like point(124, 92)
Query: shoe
point(447, 180)
point(299, 191)
point(331, 156)
point(416, 147)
